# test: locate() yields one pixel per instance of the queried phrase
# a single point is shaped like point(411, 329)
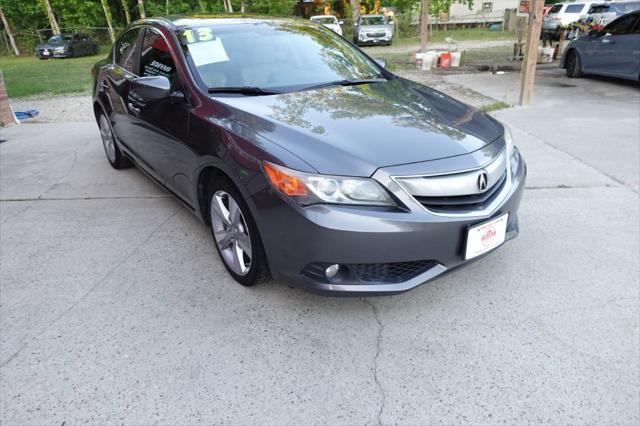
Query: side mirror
point(381, 62)
point(152, 88)
point(594, 33)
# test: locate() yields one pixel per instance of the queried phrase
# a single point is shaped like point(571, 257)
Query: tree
point(424, 29)
point(355, 5)
point(141, 8)
point(7, 28)
point(52, 18)
point(125, 7)
point(107, 14)
point(228, 6)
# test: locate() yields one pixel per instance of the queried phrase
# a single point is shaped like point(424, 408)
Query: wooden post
point(528, 72)
point(424, 26)
point(7, 29)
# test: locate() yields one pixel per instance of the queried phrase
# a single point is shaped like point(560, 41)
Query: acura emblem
point(482, 181)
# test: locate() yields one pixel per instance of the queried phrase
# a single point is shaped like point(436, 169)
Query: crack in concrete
point(375, 361)
point(93, 287)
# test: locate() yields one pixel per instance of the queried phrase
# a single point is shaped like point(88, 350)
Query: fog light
point(332, 271)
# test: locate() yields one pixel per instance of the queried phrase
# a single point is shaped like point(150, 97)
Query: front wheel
point(574, 65)
point(114, 155)
point(236, 235)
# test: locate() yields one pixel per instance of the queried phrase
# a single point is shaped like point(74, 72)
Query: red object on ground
point(445, 60)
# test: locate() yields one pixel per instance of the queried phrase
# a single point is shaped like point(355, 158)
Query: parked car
point(613, 51)
point(373, 29)
point(599, 15)
point(328, 21)
point(562, 14)
point(67, 46)
point(309, 160)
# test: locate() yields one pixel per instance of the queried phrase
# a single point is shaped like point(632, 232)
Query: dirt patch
point(56, 109)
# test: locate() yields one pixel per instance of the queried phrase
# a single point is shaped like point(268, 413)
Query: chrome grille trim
point(455, 184)
point(487, 211)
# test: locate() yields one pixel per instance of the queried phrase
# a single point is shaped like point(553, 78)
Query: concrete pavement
point(114, 307)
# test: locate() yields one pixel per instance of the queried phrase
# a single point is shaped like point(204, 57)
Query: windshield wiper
point(244, 90)
point(352, 82)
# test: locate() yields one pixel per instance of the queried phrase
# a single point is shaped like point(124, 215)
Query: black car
point(310, 161)
point(67, 46)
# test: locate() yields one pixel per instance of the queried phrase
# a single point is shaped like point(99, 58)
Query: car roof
point(201, 19)
point(323, 16)
point(372, 16)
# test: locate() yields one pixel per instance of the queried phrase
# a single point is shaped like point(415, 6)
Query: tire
point(114, 155)
point(573, 65)
point(237, 240)
point(70, 54)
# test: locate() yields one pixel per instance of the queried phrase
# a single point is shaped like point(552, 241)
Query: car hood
point(357, 129)
point(374, 27)
point(51, 45)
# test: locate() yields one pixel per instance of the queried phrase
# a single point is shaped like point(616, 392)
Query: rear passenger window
point(574, 8)
point(125, 49)
point(156, 59)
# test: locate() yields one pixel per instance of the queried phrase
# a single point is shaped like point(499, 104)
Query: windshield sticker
point(208, 52)
point(197, 35)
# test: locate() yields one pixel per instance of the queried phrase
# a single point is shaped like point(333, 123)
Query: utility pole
point(424, 26)
point(530, 60)
point(7, 28)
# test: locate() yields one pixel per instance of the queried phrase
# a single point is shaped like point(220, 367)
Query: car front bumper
point(298, 239)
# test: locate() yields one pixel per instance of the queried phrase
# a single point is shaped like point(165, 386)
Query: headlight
point(310, 188)
point(512, 152)
point(59, 49)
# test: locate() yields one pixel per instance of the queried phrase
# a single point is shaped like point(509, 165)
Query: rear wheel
point(573, 65)
point(235, 234)
point(114, 155)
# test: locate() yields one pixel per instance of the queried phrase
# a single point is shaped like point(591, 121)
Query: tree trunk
point(376, 7)
point(166, 7)
point(125, 7)
point(52, 18)
point(107, 14)
point(203, 6)
point(7, 28)
point(355, 4)
point(228, 6)
point(141, 8)
point(243, 7)
point(424, 26)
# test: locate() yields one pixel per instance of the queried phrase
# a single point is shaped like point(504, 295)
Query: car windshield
point(325, 20)
point(373, 20)
point(59, 39)
point(279, 56)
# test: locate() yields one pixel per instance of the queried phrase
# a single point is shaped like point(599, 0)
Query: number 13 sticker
point(199, 34)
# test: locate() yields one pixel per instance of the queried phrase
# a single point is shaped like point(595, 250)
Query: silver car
point(373, 29)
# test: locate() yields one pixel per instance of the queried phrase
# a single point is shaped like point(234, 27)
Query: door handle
point(133, 108)
point(104, 85)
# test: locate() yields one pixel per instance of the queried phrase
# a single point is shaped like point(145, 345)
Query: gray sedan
point(613, 51)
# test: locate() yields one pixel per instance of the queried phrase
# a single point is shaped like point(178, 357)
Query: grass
point(460, 34)
point(495, 106)
point(27, 76)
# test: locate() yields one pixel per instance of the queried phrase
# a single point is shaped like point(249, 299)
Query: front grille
point(370, 273)
point(376, 35)
point(391, 273)
point(463, 203)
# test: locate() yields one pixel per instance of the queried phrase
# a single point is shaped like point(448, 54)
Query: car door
point(120, 72)
point(617, 44)
point(161, 127)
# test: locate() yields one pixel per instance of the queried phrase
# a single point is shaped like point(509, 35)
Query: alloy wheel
point(231, 232)
point(107, 139)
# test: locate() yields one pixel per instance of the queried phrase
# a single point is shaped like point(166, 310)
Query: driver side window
point(156, 58)
point(621, 26)
point(124, 51)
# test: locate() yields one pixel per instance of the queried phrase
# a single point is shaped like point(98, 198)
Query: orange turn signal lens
point(285, 183)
